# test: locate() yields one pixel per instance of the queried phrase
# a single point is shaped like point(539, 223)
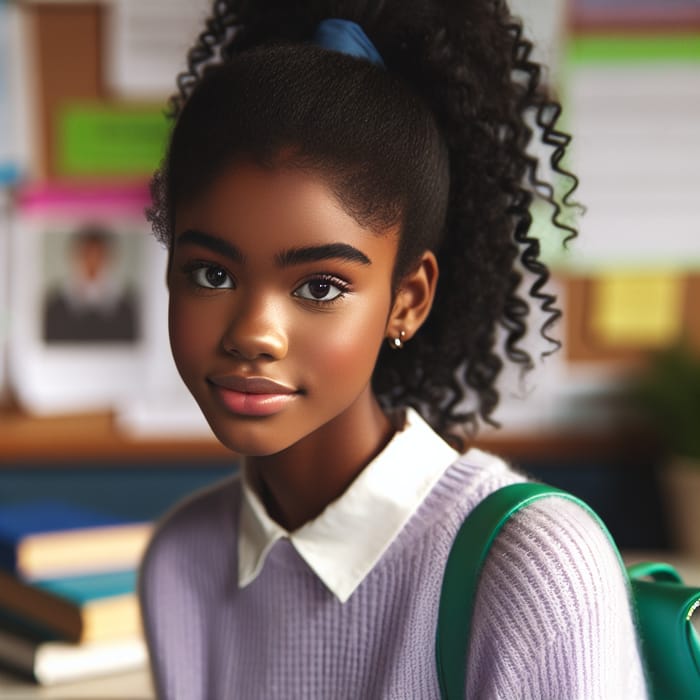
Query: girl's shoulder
point(204, 517)
point(559, 546)
point(553, 536)
point(470, 478)
point(554, 599)
point(476, 474)
point(551, 554)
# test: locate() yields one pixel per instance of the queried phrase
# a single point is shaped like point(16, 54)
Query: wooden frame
point(582, 343)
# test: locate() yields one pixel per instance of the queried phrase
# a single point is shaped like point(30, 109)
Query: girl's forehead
point(254, 197)
point(280, 187)
point(273, 208)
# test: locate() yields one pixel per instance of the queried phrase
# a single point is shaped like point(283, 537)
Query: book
point(49, 662)
point(76, 608)
point(48, 539)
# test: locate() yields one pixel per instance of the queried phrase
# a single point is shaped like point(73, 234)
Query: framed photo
point(77, 270)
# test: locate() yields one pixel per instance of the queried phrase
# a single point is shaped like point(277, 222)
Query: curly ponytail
point(482, 85)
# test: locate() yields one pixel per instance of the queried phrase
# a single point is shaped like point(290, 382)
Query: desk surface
point(137, 685)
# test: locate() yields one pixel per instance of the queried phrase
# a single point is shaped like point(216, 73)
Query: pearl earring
point(398, 342)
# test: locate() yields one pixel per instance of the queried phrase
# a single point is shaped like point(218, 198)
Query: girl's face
point(279, 303)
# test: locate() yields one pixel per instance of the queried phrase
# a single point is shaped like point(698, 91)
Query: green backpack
point(664, 606)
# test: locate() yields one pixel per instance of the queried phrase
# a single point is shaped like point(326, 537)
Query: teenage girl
point(345, 202)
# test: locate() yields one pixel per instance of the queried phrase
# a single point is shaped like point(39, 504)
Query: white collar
point(349, 537)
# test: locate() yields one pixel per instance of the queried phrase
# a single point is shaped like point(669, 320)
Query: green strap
point(656, 570)
point(464, 563)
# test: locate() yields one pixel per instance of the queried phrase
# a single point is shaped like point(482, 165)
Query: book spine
point(17, 654)
point(41, 607)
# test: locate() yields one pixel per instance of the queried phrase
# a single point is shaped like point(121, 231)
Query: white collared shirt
point(349, 537)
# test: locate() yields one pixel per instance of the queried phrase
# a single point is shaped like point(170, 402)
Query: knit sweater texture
point(552, 618)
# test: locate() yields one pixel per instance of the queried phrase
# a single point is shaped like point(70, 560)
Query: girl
point(345, 202)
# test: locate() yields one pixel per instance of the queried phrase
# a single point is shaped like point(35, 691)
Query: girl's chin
point(245, 444)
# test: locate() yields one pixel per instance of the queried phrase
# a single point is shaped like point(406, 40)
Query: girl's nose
point(256, 332)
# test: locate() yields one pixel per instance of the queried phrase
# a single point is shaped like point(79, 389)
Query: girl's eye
point(211, 277)
point(321, 289)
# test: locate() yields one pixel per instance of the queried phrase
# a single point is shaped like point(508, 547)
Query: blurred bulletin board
point(101, 129)
point(632, 279)
point(69, 65)
point(88, 129)
point(634, 100)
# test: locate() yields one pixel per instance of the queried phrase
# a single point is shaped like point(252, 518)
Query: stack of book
point(68, 604)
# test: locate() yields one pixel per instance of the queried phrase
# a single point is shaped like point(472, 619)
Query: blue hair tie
point(346, 37)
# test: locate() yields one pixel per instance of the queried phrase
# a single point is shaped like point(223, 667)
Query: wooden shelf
point(92, 437)
point(89, 437)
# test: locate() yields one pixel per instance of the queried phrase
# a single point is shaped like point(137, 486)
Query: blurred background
point(91, 409)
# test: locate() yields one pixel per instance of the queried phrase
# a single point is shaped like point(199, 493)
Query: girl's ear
point(414, 299)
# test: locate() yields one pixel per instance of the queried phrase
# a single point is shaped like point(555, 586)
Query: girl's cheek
point(349, 346)
point(187, 330)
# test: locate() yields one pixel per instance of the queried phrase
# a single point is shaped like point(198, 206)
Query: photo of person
point(91, 293)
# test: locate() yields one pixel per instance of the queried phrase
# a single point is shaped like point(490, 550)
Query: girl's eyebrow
point(287, 258)
point(298, 256)
point(206, 240)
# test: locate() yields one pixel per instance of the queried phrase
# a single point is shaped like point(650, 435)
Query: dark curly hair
point(435, 141)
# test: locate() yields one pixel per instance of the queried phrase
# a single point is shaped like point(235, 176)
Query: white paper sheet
point(637, 153)
point(543, 22)
point(147, 42)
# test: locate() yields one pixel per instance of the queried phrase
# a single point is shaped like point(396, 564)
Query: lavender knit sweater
point(551, 620)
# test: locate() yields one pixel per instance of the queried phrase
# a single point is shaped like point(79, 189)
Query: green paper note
point(609, 49)
point(97, 140)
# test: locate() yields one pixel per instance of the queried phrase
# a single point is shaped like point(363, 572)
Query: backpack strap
point(464, 563)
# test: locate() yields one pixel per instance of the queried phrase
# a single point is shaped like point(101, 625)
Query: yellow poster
point(638, 308)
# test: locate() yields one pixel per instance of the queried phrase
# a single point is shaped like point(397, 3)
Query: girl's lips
point(252, 396)
point(251, 385)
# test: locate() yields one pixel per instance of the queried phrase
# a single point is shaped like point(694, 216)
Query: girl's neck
point(298, 483)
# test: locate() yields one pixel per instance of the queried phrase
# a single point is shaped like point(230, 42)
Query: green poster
point(615, 49)
point(96, 140)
